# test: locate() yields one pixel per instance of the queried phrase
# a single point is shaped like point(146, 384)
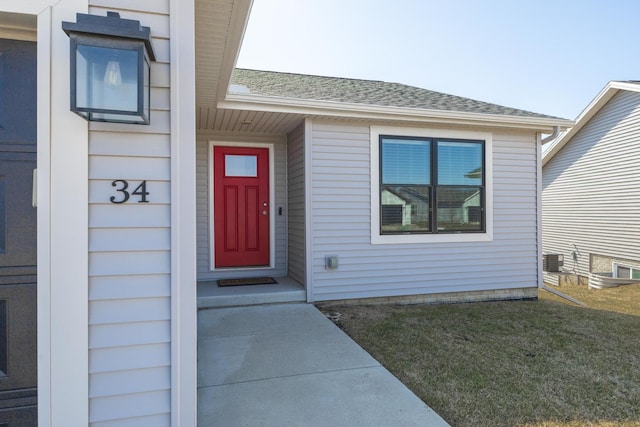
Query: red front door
point(241, 206)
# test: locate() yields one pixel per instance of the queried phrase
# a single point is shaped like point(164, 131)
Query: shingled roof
point(367, 92)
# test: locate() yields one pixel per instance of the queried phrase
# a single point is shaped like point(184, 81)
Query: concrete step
point(285, 291)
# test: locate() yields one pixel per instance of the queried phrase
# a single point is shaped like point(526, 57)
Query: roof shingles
point(367, 92)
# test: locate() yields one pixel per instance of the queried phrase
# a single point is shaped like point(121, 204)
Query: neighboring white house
point(590, 188)
point(248, 173)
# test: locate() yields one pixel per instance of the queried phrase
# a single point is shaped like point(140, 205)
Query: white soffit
point(219, 29)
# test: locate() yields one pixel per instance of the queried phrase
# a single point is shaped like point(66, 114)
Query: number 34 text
point(124, 194)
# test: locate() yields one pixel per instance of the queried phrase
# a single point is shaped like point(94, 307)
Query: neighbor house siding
point(129, 250)
point(296, 204)
point(341, 225)
point(590, 192)
point(204, 193)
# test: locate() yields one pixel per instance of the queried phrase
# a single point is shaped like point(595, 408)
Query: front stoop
point(285, 291)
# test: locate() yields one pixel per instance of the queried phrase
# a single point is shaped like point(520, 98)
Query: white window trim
point(272, 203)
point(377, 238)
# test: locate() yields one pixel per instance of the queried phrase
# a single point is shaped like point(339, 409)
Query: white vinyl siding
point(590, 196)
point(203, 220)
point(341, 200)
point(129, 250)
point(296, 204)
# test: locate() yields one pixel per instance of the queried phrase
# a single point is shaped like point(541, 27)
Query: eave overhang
point(312, 108)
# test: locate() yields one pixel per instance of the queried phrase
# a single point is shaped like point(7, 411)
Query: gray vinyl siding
point(130, 251)
point(296, 204)
point(341, 225)
point(203, 216)
point(590, 192)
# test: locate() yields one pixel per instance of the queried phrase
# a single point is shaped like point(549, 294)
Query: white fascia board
point(633, 87)
point(376, 112)
point(594, 106)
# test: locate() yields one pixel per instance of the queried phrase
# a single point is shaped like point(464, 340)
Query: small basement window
point(622, 271)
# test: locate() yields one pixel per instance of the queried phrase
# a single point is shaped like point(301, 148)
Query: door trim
point(272, 202)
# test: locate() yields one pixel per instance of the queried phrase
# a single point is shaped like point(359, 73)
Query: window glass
point(404, 208)
point(627, 272)
point(405, 191)
point(624, 272)
point(427, 188)
point(406, 161)
point(113, 78)
point(146, 102)
point(459, 163)
point(235, 165)
point(459, 209)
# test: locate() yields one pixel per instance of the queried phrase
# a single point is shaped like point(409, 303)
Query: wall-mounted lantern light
point(110, 68)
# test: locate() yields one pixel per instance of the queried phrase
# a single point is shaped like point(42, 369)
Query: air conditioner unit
point(552, 262)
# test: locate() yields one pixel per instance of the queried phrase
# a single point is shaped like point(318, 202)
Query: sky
point(547, 56)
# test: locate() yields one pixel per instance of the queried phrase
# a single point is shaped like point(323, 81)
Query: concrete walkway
point(288, 365)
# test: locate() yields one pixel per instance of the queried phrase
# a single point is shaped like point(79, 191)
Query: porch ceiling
point(220, 120)
point(219, 27)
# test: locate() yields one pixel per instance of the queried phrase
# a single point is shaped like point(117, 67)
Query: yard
point(523, 363)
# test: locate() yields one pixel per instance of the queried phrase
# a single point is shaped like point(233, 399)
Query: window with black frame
point(431, 185)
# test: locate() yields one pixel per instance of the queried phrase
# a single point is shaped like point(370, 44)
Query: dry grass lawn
point(523, 363)
point(623, 299)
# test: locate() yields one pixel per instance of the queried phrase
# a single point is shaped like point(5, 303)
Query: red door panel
point(253, 218)
point(230, 230)
point(241, 206)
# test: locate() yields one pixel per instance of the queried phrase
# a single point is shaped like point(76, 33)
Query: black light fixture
point(110, 69)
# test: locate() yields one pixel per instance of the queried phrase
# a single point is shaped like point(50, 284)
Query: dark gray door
point(18, 354)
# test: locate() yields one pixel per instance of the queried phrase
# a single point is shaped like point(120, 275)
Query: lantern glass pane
point(106, 78)
point(147, 88)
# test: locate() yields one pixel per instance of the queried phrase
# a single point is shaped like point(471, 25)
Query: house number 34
point(122, 187)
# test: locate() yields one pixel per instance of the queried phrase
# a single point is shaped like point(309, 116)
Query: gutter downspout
point(539, 210)
point(554, 135)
